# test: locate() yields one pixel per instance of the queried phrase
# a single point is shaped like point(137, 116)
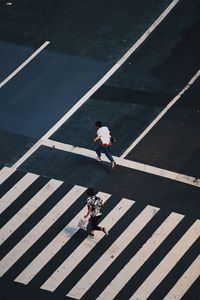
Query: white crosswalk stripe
point(186, 280)
point(141, 256)
point(159, 273)
point(5, 173)
point(116, 248)
point(28, 209)
point(17, 190)
point(80, 287)
point(40, 229)
point(56, 244)
point(85, 247)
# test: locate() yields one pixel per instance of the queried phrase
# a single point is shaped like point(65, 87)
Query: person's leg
point(98, 150)
point(108, 154)
point(94, 222)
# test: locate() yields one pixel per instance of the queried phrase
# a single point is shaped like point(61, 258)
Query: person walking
point(104, 138)
point(94, 205)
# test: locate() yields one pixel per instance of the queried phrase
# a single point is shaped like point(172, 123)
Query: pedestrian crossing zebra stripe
point(16, 190)
point(141, 256)
point(115, 249)
point(55, 245)
point(40, 228)
point(28, 209)
point(185, 282)
point(5, 173)
point(86, 246)
point(169, 261)
point(165, 266)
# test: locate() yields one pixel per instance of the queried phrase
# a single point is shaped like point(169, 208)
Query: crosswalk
point(43, 246)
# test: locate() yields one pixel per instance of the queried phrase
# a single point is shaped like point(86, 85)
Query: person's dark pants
point(106, 150)
point(94, 222)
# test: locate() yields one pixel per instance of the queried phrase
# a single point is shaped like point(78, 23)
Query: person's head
point(90, 192)
point(98, 124)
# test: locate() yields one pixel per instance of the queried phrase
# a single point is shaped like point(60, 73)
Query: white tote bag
point(83, 224)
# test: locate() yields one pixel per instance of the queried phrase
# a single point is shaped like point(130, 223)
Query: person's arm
point(88, 212)
point(96, 138)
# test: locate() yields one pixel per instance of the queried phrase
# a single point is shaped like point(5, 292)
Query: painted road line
point(24, 64)
point(141, 256)
point(185, 282)
point(17, 190)
point(159, 172)
point(5, 173)
point(29, 208)
point(113, 251)
point(72, 149)
point(98, 84)
point(56, 244)
point(86, 246)
point(125, 163)
point(40, 228)
point(169, 261)
point(162, 113)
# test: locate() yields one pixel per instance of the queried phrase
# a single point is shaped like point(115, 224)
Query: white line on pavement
point(113, 251)
point(98, 84)
point(41, 227)
point(125, 163)
point(17, 190)
point(28, 209)
point(85, 247)
point(24, 64)
point(141, 257)
point(5, 173)
point(53, 247)
point(185, 282)
point(169, 261)
point(162, 113)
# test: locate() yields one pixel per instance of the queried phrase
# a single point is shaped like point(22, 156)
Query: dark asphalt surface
point(86, 39)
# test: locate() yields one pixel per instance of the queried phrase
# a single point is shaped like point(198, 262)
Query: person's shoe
point(91, 235)
point(105, 231)
point(99, 158)
point(113, 165)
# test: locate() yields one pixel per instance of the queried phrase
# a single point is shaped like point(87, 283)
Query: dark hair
point(90, 192)
point(98, 123)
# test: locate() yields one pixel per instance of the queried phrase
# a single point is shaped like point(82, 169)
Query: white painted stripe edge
point(24, 64)
point(97, 85)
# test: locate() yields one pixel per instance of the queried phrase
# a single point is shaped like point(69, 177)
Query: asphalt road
point(152, 108)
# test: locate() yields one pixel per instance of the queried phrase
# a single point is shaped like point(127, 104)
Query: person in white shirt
point(104, 138)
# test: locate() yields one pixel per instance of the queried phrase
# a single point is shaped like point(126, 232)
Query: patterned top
point(95, 203)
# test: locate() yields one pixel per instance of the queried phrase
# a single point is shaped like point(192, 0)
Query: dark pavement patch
point(174, 143)
point(102, 30)
point(13, 147)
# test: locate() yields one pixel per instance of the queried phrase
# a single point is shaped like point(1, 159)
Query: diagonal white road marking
point(141, 256)
point(17, 190)
point(113, 251)
point(169, 261)
point(40, 228)
point(185, 282)
point(28, 209)
point(55, 245)
point(98, 84)
point(85, 247)
point(24, 64)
